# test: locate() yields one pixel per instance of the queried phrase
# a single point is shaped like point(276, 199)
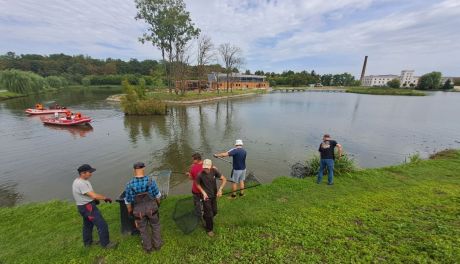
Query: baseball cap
point(85, 167)
point(207, 164)
point(138, 165)
point(238, 142)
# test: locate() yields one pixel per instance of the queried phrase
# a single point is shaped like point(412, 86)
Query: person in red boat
point(68, 115)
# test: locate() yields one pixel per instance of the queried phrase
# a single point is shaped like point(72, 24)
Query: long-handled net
point(162, 178)
point(185, 216)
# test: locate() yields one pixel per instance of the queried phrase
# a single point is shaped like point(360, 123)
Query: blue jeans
point(329, 163)
point(92, 217)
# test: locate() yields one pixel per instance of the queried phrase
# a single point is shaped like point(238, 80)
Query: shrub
point(133, 104)
point(430, 81)
point(342, 166)
point(86, 81)
point(447, 85)
point(415, 158)
point(22, 82)
point(56, 81)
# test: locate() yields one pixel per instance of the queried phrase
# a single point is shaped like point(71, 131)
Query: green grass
point(384, 91)
point(9, 95)
point(163, 94)
point(401, 214)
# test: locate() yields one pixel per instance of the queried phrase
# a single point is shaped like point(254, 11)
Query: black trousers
point(93, 217)
point(198, 204)
point(209, 211)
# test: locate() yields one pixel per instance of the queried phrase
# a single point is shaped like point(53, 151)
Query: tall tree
point(448, 85)
point(205, 56)
point(170, 28)
point(430, 81)
point(232, 58)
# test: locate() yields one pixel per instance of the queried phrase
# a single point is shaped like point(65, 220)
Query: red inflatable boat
point(66, 122)
point(32, 111)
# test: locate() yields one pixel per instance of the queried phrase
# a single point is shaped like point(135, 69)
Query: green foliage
point(448, 85)
point(141, 89)
point(135, 102)
point(430, 81)
point(395, 83)
point(170, 28)
point(305, 78)
point(384, 91)
point(116, 79)
point(75, 67)
point(415, 158)
point(22, 82)
point(400, 214)
point(86, 81)
point(342, 166)
point(56, 81)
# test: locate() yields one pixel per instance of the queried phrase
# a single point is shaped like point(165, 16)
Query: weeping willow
point(22, 82)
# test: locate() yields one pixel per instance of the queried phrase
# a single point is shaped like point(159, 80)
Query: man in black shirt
point(206, 183)
point(326, 150)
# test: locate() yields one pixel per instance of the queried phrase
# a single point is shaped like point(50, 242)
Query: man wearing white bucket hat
point(239, 166)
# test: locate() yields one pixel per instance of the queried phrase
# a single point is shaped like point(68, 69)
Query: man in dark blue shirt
point(142, 197)
point(238, 175)
point(326, 150)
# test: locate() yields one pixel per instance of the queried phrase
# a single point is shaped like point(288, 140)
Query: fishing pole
point(250, 173)
point(217, 157)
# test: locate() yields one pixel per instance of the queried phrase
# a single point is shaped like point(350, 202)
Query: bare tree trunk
point(228, 81)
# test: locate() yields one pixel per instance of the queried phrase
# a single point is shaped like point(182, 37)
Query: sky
point(275, 35)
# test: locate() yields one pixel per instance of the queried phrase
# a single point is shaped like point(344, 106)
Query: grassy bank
point(164, 95)
point(4, 95)
point(384, 91)
point(407, 213)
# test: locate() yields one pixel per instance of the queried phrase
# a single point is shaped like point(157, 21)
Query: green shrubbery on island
point(136, 102)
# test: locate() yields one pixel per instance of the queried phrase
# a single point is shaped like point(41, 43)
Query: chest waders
point(146, 214)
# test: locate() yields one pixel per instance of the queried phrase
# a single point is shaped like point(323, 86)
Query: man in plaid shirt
point(142, 198)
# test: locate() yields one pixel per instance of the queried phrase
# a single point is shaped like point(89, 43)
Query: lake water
point(39, 162)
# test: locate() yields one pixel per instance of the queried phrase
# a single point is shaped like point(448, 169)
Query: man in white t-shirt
point(87, 200)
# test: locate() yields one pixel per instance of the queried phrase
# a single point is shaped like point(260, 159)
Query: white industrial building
point(406, 78)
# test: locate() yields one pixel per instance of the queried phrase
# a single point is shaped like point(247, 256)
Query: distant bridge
point(308, 89)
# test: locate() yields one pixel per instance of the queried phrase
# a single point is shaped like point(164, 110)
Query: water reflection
point(278, 130)
point(68, 97)
point(9, 196)
point(75, 131)
point(173, 138)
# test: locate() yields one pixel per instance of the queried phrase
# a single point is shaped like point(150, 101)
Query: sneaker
point(330, 184)
point(111, 245)
point(241, 194)
point(232, 197)
point(211, 234)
